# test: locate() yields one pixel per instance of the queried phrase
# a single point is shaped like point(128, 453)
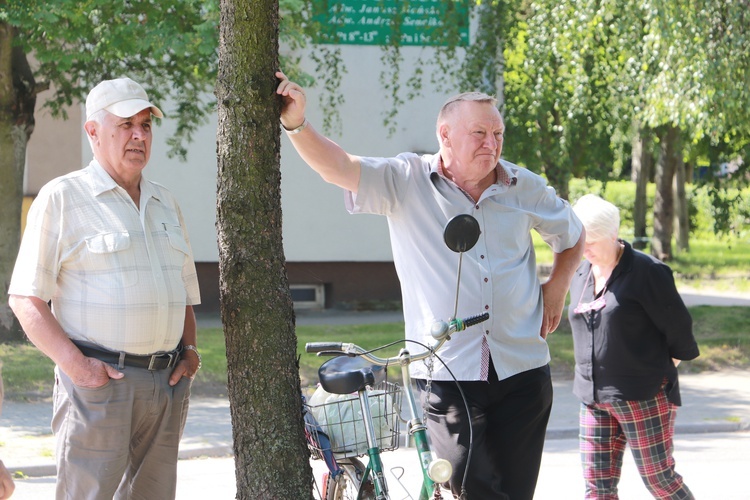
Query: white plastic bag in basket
point(340, 416)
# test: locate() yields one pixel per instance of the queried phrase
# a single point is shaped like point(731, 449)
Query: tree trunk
point(17, 101)
point(661, 243)
point(681, 220)
point(271, 458)
point(641, 172)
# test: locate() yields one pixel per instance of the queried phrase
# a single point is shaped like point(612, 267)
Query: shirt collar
point(101, 182)
point(507, 173)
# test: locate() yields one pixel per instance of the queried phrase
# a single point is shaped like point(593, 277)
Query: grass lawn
point(723, 334)
point(710, 264)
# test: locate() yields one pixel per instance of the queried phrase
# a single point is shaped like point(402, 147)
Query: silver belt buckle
point(174, 356)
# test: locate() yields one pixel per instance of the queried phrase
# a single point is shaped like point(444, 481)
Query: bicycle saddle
point(345, 375)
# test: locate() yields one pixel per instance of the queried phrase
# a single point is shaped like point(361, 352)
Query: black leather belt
point(159, 361)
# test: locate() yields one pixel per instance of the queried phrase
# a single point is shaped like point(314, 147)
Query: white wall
point(316, 226)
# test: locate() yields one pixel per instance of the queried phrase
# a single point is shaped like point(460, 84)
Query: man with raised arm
point(501, 364)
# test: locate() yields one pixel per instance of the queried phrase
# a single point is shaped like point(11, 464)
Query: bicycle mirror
point(461, 233)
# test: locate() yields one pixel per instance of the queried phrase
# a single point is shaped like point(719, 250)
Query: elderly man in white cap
point(109, 251)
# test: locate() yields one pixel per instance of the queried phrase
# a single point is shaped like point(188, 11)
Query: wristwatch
point(191, 347)
point(296, 130)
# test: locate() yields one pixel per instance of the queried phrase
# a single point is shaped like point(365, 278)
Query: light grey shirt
point(499, 274)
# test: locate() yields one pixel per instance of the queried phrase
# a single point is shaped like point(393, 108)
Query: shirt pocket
point(111, 260)
point(176, 239)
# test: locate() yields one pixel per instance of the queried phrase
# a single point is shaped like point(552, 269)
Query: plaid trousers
point(648, 427)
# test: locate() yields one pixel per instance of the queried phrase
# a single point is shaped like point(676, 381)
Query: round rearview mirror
point(461, 233)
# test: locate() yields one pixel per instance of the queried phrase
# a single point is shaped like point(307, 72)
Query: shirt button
point(477, 207)
point(481, 256)
point(486, 332)
point(486, 308)
point(486, 280)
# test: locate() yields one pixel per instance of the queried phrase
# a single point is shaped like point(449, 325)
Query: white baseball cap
point(122, 97)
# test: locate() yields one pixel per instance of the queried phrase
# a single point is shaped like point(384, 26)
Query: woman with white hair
point(630, 329)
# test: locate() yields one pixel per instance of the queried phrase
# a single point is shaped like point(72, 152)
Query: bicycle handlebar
point(321, 347)
point(471, 321)
point(441, 331)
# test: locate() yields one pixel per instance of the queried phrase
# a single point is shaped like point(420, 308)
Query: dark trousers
point(509, 421)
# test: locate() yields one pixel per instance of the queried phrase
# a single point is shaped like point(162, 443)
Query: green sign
point(376, 22)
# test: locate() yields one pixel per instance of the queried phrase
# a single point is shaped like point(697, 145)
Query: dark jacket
point(624, 351)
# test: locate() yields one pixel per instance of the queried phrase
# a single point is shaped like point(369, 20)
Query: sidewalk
point(712, 402)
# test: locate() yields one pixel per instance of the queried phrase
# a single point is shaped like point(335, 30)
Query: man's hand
point(91, 373)
point(294, 102)
point(327, 158)
point(186, 367)
point(554, 302)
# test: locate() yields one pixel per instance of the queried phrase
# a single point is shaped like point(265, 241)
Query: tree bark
point(271, 457)
point(641, 172)
point(681, 220)
point(661, 243)
point(17, 101)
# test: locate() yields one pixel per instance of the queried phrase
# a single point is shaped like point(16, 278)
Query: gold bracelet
point(298, 129)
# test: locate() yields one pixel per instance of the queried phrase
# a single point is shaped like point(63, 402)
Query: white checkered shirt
point(116, 275)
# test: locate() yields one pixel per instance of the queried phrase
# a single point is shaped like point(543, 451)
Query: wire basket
point(337, 425)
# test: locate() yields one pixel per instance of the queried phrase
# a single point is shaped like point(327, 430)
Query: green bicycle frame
point(417, 429)
point(375, 464)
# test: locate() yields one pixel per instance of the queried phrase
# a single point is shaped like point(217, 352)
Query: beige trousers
point(119, 440)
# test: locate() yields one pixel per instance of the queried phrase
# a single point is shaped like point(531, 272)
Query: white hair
point(600, 218)
point(97, 117)
point(449, 106)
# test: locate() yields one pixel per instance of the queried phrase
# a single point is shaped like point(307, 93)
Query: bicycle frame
point(432, 470)
point(417, 430)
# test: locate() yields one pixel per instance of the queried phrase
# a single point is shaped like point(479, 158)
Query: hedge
point(701, 211)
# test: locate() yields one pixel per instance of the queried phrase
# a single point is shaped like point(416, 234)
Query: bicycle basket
point(337, 425)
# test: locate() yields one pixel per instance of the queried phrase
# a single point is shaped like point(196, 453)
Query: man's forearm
point(565, 264)
point(44, 331)
point(190, 330)
point(327, 158)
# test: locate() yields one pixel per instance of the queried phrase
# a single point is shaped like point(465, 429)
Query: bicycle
point(357, 370)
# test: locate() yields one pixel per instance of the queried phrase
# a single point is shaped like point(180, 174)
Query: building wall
point(54, 148)
point(350, 255)
point(346, 285)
